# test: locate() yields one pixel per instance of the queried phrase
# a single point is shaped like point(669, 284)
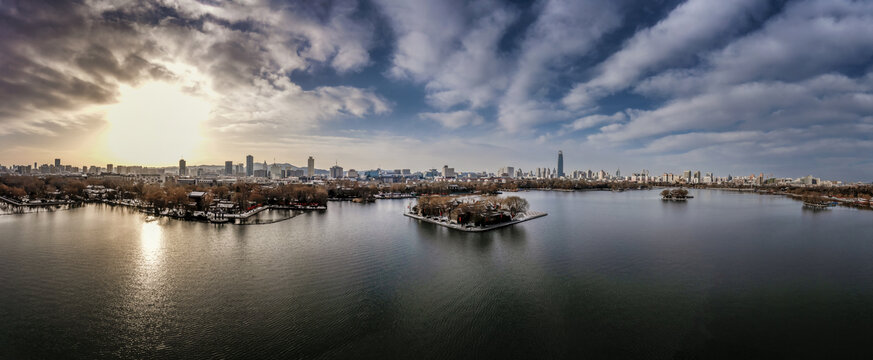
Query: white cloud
point(691, 27)
point(277, 106)
point(807, 39)
point(565, 30)
point(828, 99)
point(590, 121)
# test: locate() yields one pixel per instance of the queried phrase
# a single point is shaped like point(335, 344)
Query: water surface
point(604, 275)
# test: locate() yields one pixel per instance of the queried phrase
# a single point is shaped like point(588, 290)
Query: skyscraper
point(57, 162)
point(560, 163)
point(310, 167)
point(183, 170)
point(228, 168)
point(250, 165)
point(336, 172)
point(109, 168)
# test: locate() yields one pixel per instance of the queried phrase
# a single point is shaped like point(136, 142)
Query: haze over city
point(739, 87)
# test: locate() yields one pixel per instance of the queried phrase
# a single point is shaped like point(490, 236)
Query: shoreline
point(530, 215)
point(232, 218)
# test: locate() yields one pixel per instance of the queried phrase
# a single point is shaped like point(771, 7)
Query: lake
point(605, 274)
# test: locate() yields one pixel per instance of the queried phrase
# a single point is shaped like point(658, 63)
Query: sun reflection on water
point(150, 237)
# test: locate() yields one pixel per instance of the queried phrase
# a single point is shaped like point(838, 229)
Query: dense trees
point(161, 196)
point(675, 194)
point(476, 210)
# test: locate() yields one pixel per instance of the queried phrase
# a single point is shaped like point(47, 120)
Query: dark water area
point(604, 275)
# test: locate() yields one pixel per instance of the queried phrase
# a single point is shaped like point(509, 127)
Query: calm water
point(605, 274)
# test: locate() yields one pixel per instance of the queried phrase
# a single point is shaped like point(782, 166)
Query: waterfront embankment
point(530, 215)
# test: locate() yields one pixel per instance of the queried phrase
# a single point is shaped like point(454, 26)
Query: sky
point(731, 87)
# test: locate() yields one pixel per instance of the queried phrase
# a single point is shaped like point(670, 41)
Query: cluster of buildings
point(57, 168)
point(264, 172)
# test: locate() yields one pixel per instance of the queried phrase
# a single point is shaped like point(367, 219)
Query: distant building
point(353, 174)
point(808, 180)
point(336, 172)
point(57, 162)
point(310, 167)
point(250, 165)
point(183, 169)
point(448, 172)
point(109, 168)
point(228, 168)
point(560, 163)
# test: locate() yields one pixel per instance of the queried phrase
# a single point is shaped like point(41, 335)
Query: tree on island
point(480, 211)
point(515, 205)
point(675, 194)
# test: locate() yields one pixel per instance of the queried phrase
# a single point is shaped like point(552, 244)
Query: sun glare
point(155, 123)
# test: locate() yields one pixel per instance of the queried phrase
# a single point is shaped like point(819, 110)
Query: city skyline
point(277, 170)
point(745, 86)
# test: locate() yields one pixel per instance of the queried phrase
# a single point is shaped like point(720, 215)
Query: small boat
point(150, 218)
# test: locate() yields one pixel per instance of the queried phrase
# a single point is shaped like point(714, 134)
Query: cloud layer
point(724, 86)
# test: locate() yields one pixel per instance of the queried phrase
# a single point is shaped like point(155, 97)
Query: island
point(674, 195)
point(472, 213)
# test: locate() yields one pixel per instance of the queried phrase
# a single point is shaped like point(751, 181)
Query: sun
point(154, 123)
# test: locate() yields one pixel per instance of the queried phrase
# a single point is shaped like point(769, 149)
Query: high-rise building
point(448, 172)
point(250, 165)
point(228, 168)
point(353, 174)
point(336, 172)
point(276, 171)
point(310, 167)
point(183, 170)
point(109, 168)
point(560, 163)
